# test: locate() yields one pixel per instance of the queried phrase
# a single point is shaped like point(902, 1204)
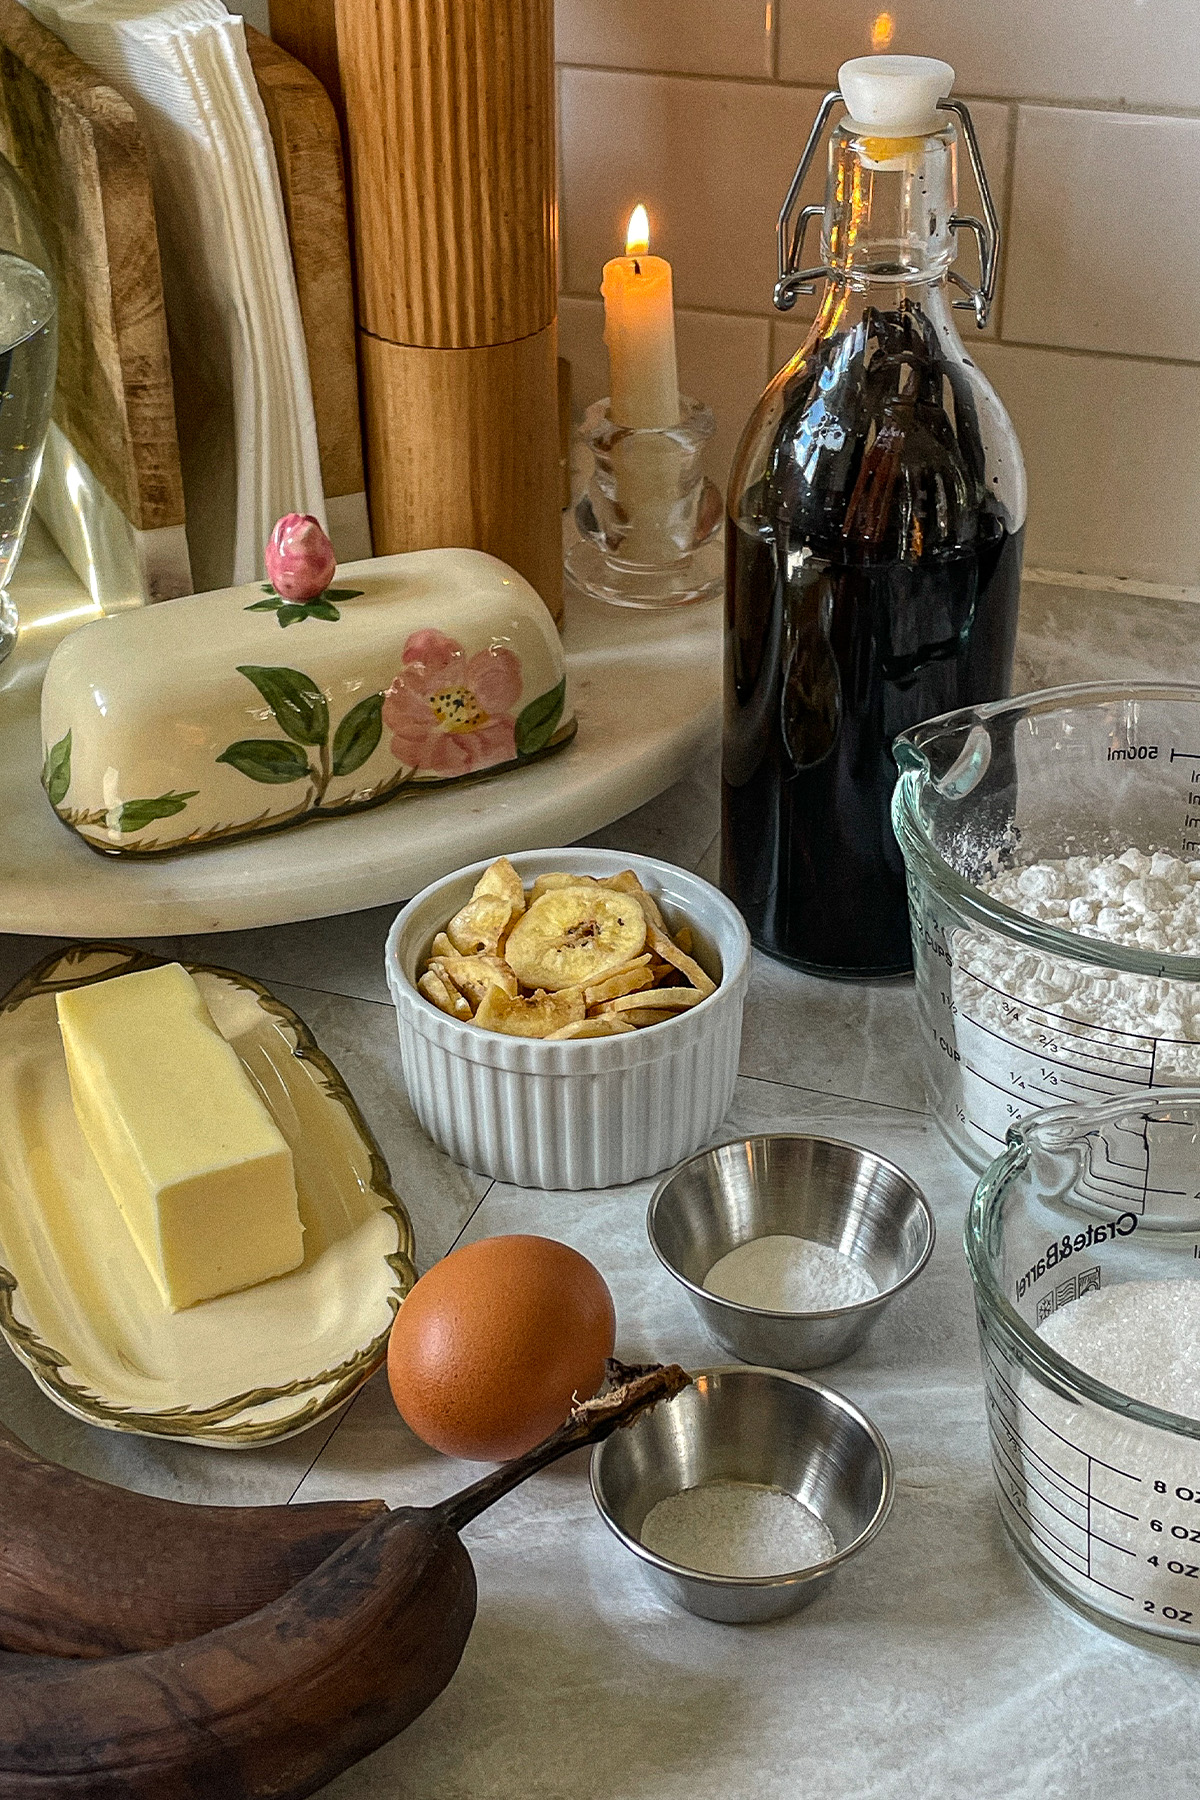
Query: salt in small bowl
point(764, 1426)
point(819, 1188)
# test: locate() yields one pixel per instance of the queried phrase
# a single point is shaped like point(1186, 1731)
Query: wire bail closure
point(794, 280)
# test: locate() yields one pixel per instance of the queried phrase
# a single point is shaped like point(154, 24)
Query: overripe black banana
point(273, 1706)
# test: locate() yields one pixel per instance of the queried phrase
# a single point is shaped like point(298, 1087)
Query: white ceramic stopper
point(895, 96)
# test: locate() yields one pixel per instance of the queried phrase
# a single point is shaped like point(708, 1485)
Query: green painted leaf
point(266, 759)
point(357, 735)
point(267, 588)
point(298, 704)
point(291, 612)
point(56, 771)
point(538, 721)
point(137, 813)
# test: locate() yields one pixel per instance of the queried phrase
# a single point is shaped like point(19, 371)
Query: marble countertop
point(934, 1666)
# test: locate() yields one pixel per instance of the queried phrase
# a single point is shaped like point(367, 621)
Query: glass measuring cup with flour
point(1052, 852)
point(1083, 1242)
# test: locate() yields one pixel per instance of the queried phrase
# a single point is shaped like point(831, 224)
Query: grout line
point(466, 1222)
point(1137, 358)
point(343, 1415)
point(704, 854)
point(1010, 165)
point(668, 74)
point(1081, 581)
point(347, 1410)
point(794, 1087)
point(771, 318)
point(302, 987)
point(812, 84)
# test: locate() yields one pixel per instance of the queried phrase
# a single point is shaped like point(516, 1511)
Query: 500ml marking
point(1132, 753)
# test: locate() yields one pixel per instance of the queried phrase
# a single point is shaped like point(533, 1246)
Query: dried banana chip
point(574, 957)
point(670, 952)
point(592, 1028)
point(502, 879)
point(474, 975)
point(480, 925)
point(676, 999)
point(536, 1017)
point(573, 936)
point(558, 878)
point(627, 883)
point(628, 980)
point(446, 998)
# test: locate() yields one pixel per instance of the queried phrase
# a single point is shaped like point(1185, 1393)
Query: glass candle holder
point(649, 519)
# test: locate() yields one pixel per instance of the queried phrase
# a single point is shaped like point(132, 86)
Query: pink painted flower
point(299, 558)
point(450, 714)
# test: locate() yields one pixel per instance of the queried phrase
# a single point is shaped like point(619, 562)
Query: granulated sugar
point(1146, 901)
point(736, 1528)
point(789, 1274)
point(1142, 1338)
point(1109, 1504)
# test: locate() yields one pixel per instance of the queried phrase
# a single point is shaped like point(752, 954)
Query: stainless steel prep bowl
point(755, 1425)
point(814, 1187)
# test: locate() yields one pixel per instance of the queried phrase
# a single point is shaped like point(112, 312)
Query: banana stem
point(636, 1391)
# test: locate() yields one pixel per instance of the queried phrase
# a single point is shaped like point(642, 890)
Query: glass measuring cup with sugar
point(1059, 793)
point(1083, 1242)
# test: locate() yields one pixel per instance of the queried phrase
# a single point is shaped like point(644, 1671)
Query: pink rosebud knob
point(299, 558)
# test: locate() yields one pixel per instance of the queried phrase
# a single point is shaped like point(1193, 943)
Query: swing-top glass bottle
point(875, 522)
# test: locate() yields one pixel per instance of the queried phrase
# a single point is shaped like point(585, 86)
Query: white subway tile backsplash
point(1113, 457)
point(1132, 52)
point(723, 361)
point(712, 161)
point(699, 37)
point(670, 102)
point(1105, 233)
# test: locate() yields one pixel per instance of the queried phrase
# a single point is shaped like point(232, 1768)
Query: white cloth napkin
point(244, 412)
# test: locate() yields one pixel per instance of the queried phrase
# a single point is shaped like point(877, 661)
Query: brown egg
point(493, 1343)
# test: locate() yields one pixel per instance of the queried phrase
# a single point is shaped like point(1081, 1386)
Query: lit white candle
point(639, 329)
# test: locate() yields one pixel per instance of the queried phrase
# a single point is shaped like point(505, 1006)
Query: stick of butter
point(200, 1171)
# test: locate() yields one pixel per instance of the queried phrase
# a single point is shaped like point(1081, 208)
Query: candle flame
point(637, 237)
point(883, 30)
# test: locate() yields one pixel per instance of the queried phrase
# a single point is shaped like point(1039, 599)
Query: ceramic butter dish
point(236, 712)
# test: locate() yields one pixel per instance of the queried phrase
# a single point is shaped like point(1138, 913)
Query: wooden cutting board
point(75, 143)
point(308, 151)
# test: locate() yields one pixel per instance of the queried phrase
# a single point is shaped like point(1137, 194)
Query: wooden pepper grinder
point(449, 116)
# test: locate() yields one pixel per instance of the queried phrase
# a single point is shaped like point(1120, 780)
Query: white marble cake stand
point(646, 687)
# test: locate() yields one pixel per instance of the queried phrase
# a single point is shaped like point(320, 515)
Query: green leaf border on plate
point(203, 1424)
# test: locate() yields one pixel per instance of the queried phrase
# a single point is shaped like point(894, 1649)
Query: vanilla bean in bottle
point(873, 553)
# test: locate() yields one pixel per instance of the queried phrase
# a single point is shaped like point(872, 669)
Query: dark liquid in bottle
point(872, 580)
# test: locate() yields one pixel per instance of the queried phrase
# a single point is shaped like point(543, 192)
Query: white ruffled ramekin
point(591, 1112)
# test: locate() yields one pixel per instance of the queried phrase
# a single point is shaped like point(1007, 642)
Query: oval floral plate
point(77, 1304)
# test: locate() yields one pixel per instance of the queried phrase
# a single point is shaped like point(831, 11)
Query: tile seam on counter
point(793, 1087)
point(355, 1397)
